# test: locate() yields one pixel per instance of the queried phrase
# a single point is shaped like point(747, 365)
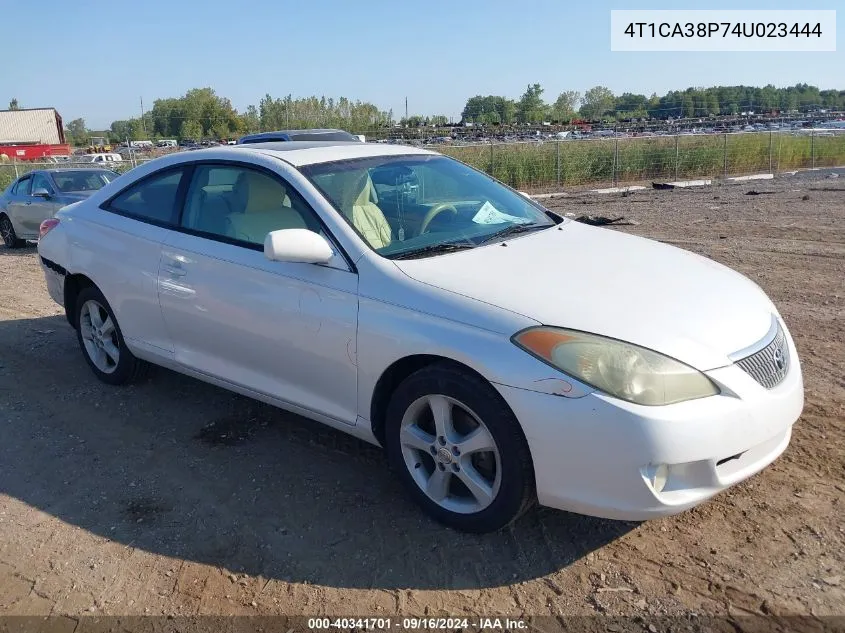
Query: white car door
point(284, 330)
point(120, 249)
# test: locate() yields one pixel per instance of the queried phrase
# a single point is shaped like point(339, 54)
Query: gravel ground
point(175, 497)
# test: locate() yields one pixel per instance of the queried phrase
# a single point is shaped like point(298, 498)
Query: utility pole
point(406, 110)
point(143, 120)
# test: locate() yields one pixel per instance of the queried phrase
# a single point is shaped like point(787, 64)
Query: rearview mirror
point(297, 245)
point(41, 192)
point(392, 176)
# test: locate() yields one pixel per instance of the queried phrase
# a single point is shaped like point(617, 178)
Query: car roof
point(301, 153)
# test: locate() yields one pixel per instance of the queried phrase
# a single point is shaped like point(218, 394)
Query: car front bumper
point(601, 456)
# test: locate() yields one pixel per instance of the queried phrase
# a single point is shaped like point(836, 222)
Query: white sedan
point(499, 353)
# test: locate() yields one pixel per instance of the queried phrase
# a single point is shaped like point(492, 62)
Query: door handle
point(175, 271)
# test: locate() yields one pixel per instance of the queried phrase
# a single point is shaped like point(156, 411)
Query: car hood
point(612, 284)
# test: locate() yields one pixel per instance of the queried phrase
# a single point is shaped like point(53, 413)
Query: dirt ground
point(175, 497)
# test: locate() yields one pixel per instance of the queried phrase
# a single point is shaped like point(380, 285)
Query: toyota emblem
point(780, 359)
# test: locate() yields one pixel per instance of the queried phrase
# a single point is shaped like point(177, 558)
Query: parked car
point(125, 151)
point(500, 353)
point(55, 159)
point(301, 135)
point(100, 159)
point(37, 195)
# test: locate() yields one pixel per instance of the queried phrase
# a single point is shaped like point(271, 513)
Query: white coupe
point(501, 354)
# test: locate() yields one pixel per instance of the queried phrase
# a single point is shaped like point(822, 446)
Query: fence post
point(677, 155)
point(813, 145)
point(16, 168)
point(557, 162)
point(615, 152)
point(726, 155)
point(770, 150)
point(491, 157)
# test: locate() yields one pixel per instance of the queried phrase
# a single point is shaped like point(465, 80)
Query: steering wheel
point(434, 211)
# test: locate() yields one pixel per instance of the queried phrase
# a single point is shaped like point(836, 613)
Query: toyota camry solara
point(501, 354)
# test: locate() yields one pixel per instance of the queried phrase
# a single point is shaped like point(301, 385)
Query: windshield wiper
point(431, 249)
point(513, 229)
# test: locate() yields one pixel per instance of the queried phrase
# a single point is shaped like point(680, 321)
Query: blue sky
point(95, 59)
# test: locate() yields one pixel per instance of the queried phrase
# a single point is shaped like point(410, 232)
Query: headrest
point(255, 192)
point(351, 188)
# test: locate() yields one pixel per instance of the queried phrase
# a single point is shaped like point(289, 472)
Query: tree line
point(201, 113)
point(601, 104)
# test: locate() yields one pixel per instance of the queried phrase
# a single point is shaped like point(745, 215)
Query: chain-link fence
point(550, 165)
point(9, 171)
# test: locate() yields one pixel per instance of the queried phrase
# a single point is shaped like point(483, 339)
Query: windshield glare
point(400, 204)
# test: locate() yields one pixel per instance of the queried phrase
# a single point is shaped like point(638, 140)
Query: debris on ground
point(759, 193)
point(600, 220)
point(662, 185)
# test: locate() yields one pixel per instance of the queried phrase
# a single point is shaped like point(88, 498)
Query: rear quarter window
point(152, 199)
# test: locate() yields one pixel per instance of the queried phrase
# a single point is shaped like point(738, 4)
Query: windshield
point(402, 205)
point(83, 180)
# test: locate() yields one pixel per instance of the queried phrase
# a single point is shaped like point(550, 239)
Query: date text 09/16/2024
point(417, 624)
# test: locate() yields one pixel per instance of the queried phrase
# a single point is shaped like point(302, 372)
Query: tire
point(102, 345)
point(10, 238)
point(498, 457)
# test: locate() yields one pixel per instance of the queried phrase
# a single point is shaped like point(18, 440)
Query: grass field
point(554, 164)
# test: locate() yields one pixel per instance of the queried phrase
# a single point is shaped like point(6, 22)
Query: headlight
point(619, 369)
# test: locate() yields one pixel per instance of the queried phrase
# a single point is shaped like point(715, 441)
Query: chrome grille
point(770, 365)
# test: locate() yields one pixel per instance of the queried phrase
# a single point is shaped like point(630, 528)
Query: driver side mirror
point(41, 192)
point(297, 245)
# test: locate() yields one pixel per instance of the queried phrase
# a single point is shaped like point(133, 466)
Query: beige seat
point(266, 207)
point(353, 191)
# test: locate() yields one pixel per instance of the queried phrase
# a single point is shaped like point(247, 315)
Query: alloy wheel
point(99, 336)
point(7, 232)
point(450, 454)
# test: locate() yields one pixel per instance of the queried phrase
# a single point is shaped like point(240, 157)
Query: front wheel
point(10, 238)
point(459, 449)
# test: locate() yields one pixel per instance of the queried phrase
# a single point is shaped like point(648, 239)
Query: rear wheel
point(7, 231)
point(102, 342)
point(459, 449)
